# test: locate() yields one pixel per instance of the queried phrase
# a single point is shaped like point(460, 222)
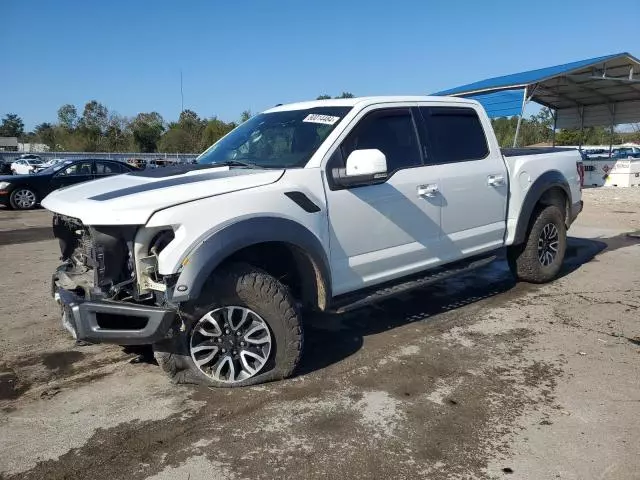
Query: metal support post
point(524, 104)
point(555, 123)
point(612, 109)
point(581, 110)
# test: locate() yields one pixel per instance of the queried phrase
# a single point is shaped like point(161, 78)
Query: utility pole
point(181, 94)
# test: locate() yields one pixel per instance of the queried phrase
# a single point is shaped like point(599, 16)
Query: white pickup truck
point(326, 205)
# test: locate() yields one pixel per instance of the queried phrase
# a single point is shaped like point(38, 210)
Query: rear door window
point(108, 168)
point(453, 134)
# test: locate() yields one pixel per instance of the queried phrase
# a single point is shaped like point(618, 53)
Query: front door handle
point(429, 190)
point(495, 180)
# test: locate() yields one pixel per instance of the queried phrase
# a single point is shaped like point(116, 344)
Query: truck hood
point(131, 199)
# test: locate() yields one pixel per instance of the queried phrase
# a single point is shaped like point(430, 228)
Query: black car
point(24, 192)
point(5, 167)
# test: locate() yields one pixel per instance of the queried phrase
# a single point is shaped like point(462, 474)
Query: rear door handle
point(495, 180)
point(429, 190)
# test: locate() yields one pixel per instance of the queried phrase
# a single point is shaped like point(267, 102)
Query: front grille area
point(98, 256)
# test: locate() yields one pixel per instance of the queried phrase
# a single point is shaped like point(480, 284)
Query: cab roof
point(365, 101)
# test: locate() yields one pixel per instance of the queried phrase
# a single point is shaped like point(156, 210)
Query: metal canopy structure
point(593, 92)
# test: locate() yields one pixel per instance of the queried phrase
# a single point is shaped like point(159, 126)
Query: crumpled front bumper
point(105, 321)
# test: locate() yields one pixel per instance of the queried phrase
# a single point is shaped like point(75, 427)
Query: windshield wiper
point(237, 163)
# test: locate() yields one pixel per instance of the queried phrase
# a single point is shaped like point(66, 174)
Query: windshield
point(278, 139)
point(34, 162)
point(57, 166)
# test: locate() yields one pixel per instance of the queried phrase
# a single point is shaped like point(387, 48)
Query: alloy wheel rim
point(230, 344)
point(548, 242)
point(24, 198)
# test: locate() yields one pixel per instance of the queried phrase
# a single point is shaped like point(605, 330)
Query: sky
point(240, 55)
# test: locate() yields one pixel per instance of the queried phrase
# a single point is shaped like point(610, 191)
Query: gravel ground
point(611, 207)
point(476, 377)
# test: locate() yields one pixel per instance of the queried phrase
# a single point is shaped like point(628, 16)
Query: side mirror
point(363, 167)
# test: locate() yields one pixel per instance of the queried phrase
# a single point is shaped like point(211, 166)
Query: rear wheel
point(540, 258)
point(245, 329)
point(23, 199)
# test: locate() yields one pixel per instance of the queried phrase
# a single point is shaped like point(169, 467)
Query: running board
point(353, 301)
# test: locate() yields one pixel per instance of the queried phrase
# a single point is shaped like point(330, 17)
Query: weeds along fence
point(123, 157)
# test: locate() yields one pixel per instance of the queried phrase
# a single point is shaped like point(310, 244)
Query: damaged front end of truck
point(108, 286)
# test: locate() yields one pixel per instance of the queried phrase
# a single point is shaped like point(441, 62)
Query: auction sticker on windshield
point(317, 118)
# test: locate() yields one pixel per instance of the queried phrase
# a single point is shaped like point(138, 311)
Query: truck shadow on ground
point(332, 338)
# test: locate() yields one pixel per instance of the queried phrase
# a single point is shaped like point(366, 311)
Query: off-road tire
point(523, 259)
point(246, 286)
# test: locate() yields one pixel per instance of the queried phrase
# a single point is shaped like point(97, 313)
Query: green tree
point(68, 116)
point(67, 141)
point(12, 126)
point(147, 129)
point(568, 137)
point(45, 133)
point(590, 136)
point(244, 116)
point(544, 117)
point(505, 129)
point(175, 140)
point(93, 125)
point(193, 126)
point(118, 135)
point(533, 130)
point(323, 97)
point(214, 131)
point(94, 116)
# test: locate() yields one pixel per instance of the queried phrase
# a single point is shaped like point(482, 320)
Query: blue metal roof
point(525, 78)
point(505, 103)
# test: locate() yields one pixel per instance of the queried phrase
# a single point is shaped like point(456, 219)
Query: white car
point(24, 166)
point(53, 161)
point(327, 205)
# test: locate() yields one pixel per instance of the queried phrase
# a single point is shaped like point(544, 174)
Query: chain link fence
point(123, 157)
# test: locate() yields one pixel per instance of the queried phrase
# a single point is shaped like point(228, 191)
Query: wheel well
point(291, 265)
point(558, 197)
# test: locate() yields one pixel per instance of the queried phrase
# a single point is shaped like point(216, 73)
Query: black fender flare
point(218, 246)
point(543, 183)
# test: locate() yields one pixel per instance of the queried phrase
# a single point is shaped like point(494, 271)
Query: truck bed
point(524, 151)
point(525, 165)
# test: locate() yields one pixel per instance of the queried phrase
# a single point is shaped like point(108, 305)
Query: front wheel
point(23, 199)
point(244, 329)
point(540, 258)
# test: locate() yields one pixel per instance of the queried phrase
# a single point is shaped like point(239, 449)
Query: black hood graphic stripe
point(178, 179)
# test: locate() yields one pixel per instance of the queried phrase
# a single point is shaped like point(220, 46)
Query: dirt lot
point(476, 377)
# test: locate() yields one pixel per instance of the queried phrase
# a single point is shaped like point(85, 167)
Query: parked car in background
point(29, 156)
point(138, 163)
point(160, 163)
point(24, 166)
point(625, 152)
point(53, 161)
point(24, 192)
point(5, 167)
